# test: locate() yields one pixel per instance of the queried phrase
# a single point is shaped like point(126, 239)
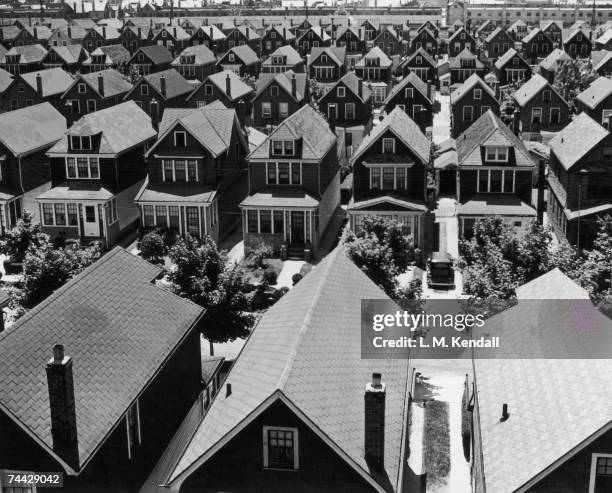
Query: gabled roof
point(158, 54)
point(355, 30)
point(309, 337)
point(305, 124)
point(351, 82)
point(288, 51)
point(203, 55)
point(489, 130)
point(485, 25)
point(465, 54)
point(319, 31)
point(117, 326)
point(31, 128)
point(550, 62)
point(248, 32)
point(123, 127)
point(115, 54)
point(176, 32)
point(420, 52)
point(517, 24)
point(212, 31)
point(493, 34)
point(548, 24)
point(600, 59)
point(573, 142)
point(506, 57)
point(39, 32)
point(471, 82)
point(336, 53)
point(114, 83)
point(605, 37)
point(404, 129)
point(413, 80)
point(283, 30)
point(552, 285)
point(54, 81)
point(284, 80)
point(69, 54)
point(144, 31)
point(211, 127)
point(106, 32)
point(5, 80)
point(28, 53)
point(596, 93)
point(532, 34)
point(238, 88)
point(176, 84)
point(374, 53)
point(573, 34)
point(244, 53)
point(459, 31)
point(532, 87)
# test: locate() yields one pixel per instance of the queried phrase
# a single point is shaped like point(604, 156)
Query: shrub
point(295, 278)
point(257, 256)
point(270, 276)
point(152, 248)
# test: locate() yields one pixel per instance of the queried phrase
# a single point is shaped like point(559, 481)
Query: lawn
point(437, 444)
point(254, 275)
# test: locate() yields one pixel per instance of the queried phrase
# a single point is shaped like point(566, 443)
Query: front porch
point(11, 206)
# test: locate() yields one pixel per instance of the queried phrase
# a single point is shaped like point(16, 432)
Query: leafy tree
point(152, 248)
point(16, 241)
point(572, 77)
point(205, 275)
point(316, 93)
point(250, 81)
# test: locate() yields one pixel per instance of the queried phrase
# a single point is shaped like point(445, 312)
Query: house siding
point(458, 126)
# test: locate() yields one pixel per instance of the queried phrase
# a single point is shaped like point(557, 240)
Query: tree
point(572, 77)
point(152, 248)
point(205, 275)
point(250, 81)
point(18, 240)
point(316, 93)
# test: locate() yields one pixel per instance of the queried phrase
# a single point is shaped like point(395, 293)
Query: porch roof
point(598, 209)
point(280, 197)
point(175, 192)
point(495, 205)
point(7, 193)
point(401, 204)
point(77, 191)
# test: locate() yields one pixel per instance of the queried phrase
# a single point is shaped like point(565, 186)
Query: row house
point(495, 175)
point(66, 36)
point(578, 44)
point(294, 186)
point(100, 36)
point(25, 136)
point(464, 65)
point(195, 63)
point(536, 45)
point(283, 59)
point(33, 35)
point(512, 67)
point(580, 180)
point(596, 101)
point(93, 92)
point(197, 158)
point(242, 60)
point(278, 96)
point(390, 177)
point(541, 107)
point(468, 102)
point(420, 63)
point(375, 66)
point(8, 34)
point(68, 57)
point(554, 30)
point(158, 91)
point(431, 27)
point(518, 29)
point(302, 28)
point(370, 31)
point(175, 38)
point(35, 88)
point(425, 39)
point(485, 29)
point(208, 35)
point(497, 43)
point(99, 416)
point(602, 62)
point(415, 98)
point(107, 57)
point(227, 88)
point(389, 42)
point(353, 40)
point(23, 59)
point(459, 41)
point(150, 59)
point(242, 36)
point(133, 38)
point(348, 102)
point(548, 66)
point(314, 37)
point(327, 64)
point(276, 37)
point(97, 168)
point(604, 42)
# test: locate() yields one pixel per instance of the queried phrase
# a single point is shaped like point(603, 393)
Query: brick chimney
point(69, 32)
point(162, 85)
point(211, 33)
point(247, 32)
point(374, 407)
point(139, 31)
point(61, 404)
point(174, 32)
point(360, 88)
point(104, 32)
point(101, 84)
point(39, 86)
point(35, 31)
point(284, 33)
point(293, 86)
point(228, 86)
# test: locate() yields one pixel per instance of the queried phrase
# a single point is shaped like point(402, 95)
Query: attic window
point(515, 62)
point(409, 93)
point(497, 154)
point(280, 448)
point(180, 139)
point(164, 34)
point(231, 57)
point(208, 90)
point(80, 143)
point(141, 56)
point(274, 90)
point(273, 35)
point(477, 93)
point(283, 148)
point(419, 59)
point(277, 60)
point(324, 58)
point(462, 35)
point(81, 88)
point(388, 146)
point(546, 95)
point(341, 92)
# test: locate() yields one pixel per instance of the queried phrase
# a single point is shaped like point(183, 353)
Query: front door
point(91, 222)
point(297, 227)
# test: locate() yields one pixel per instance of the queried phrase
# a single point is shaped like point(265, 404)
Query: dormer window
point(419, 59)
point(277, 60)
point(20, 88)
point(180, 139)
point(497, 154)
point(388, 146)
point(341, 92)
point(283, 148)
point(80, 143)
point(83, 168)
point(164, 34)
point(324, 58)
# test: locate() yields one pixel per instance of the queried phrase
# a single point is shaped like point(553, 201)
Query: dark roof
point(54, 81)
point(69, 54)
point(117, 326)
point(506, 57)
point(404, 129)
point(115, 84)
point(413, 80)
point(306, 338)
point(203, 55)
point(550, 62)
point(489, 130)
point(457, 32)
point(284, 80)
point(307, 124)
point(158, 54)
point(28, 53)
point(31, 128)
point(238, 88)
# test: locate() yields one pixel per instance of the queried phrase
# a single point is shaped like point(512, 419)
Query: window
point(283, 148)
point(388, 146)
point(252, 222)
point(605, 118)
point(144, 89)
point(274, 90)
point(25, 488)
point(374, 178)
point(83, 167)
point(271, 174)
point(72, 215)
point(208, 90)
point(484, 109)
point(180, 139)
point(393, 178)
point(606, 153)
point(111, 211)
point(279, 226)
point(555, 116)
point(283, 110)
point(280, 448)
point(296, 173)
point(48, 214)
point(341, 92)
point(536, 115)
point(498, 154)
point(349, 111)
point(265, 221)
point(231, 58)
point(91, 105)
point(468, 113)
point(283, 174)
point(80, 143)
point(546, 96)
point(409, 93)
point(477, 93)
point(60, 214)
point(266, 110)
point(81, 88)
point(601, 473)
point(496, 181)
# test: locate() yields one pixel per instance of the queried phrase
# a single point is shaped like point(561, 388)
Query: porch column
point(205, 224)
point(200, 221)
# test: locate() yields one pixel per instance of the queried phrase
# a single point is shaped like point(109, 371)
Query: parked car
point(440, 271)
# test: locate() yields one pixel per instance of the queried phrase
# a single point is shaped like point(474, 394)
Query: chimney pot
point(374, 415)
point(228, 86)
point(228, 390)
point(140, 33)
point(162, 84)
point(505, 414)
point(101, 84)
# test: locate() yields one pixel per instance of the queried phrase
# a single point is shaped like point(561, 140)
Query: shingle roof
point(421, 52)
point(471, 82)
point(307, 124)
point(576, 139)
point(493, 34)
point(176, 84)
point(605, 37)
point(69, 54)
point(28, 53)
point(551, 61)
point(158, 54)
point(532, 34)
point(457, 32)
point(374, 53)
point(213, 32)
point(107, 33)
point(117, 326)
point(5, 80)
point(465, 54)
point(336, 53)
point(505, 58)
point(306, 347)
point(413, 80)
point(280, 197)
point(285, 81)
point(495, 204)
point(244, 53)
point(287, 34)
point(489, 130)
point(600, 89)
point(530, 88)
point(288, 51)
point(203, 55)
point(123, 127)
point(404, 129)
point(31, 128)
point(351, 82)
point(552, 285)
point(115, 54)
point(177, 32)
point(175, 192)
point(238, 88)
point(114, 83)
point(54, 81)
